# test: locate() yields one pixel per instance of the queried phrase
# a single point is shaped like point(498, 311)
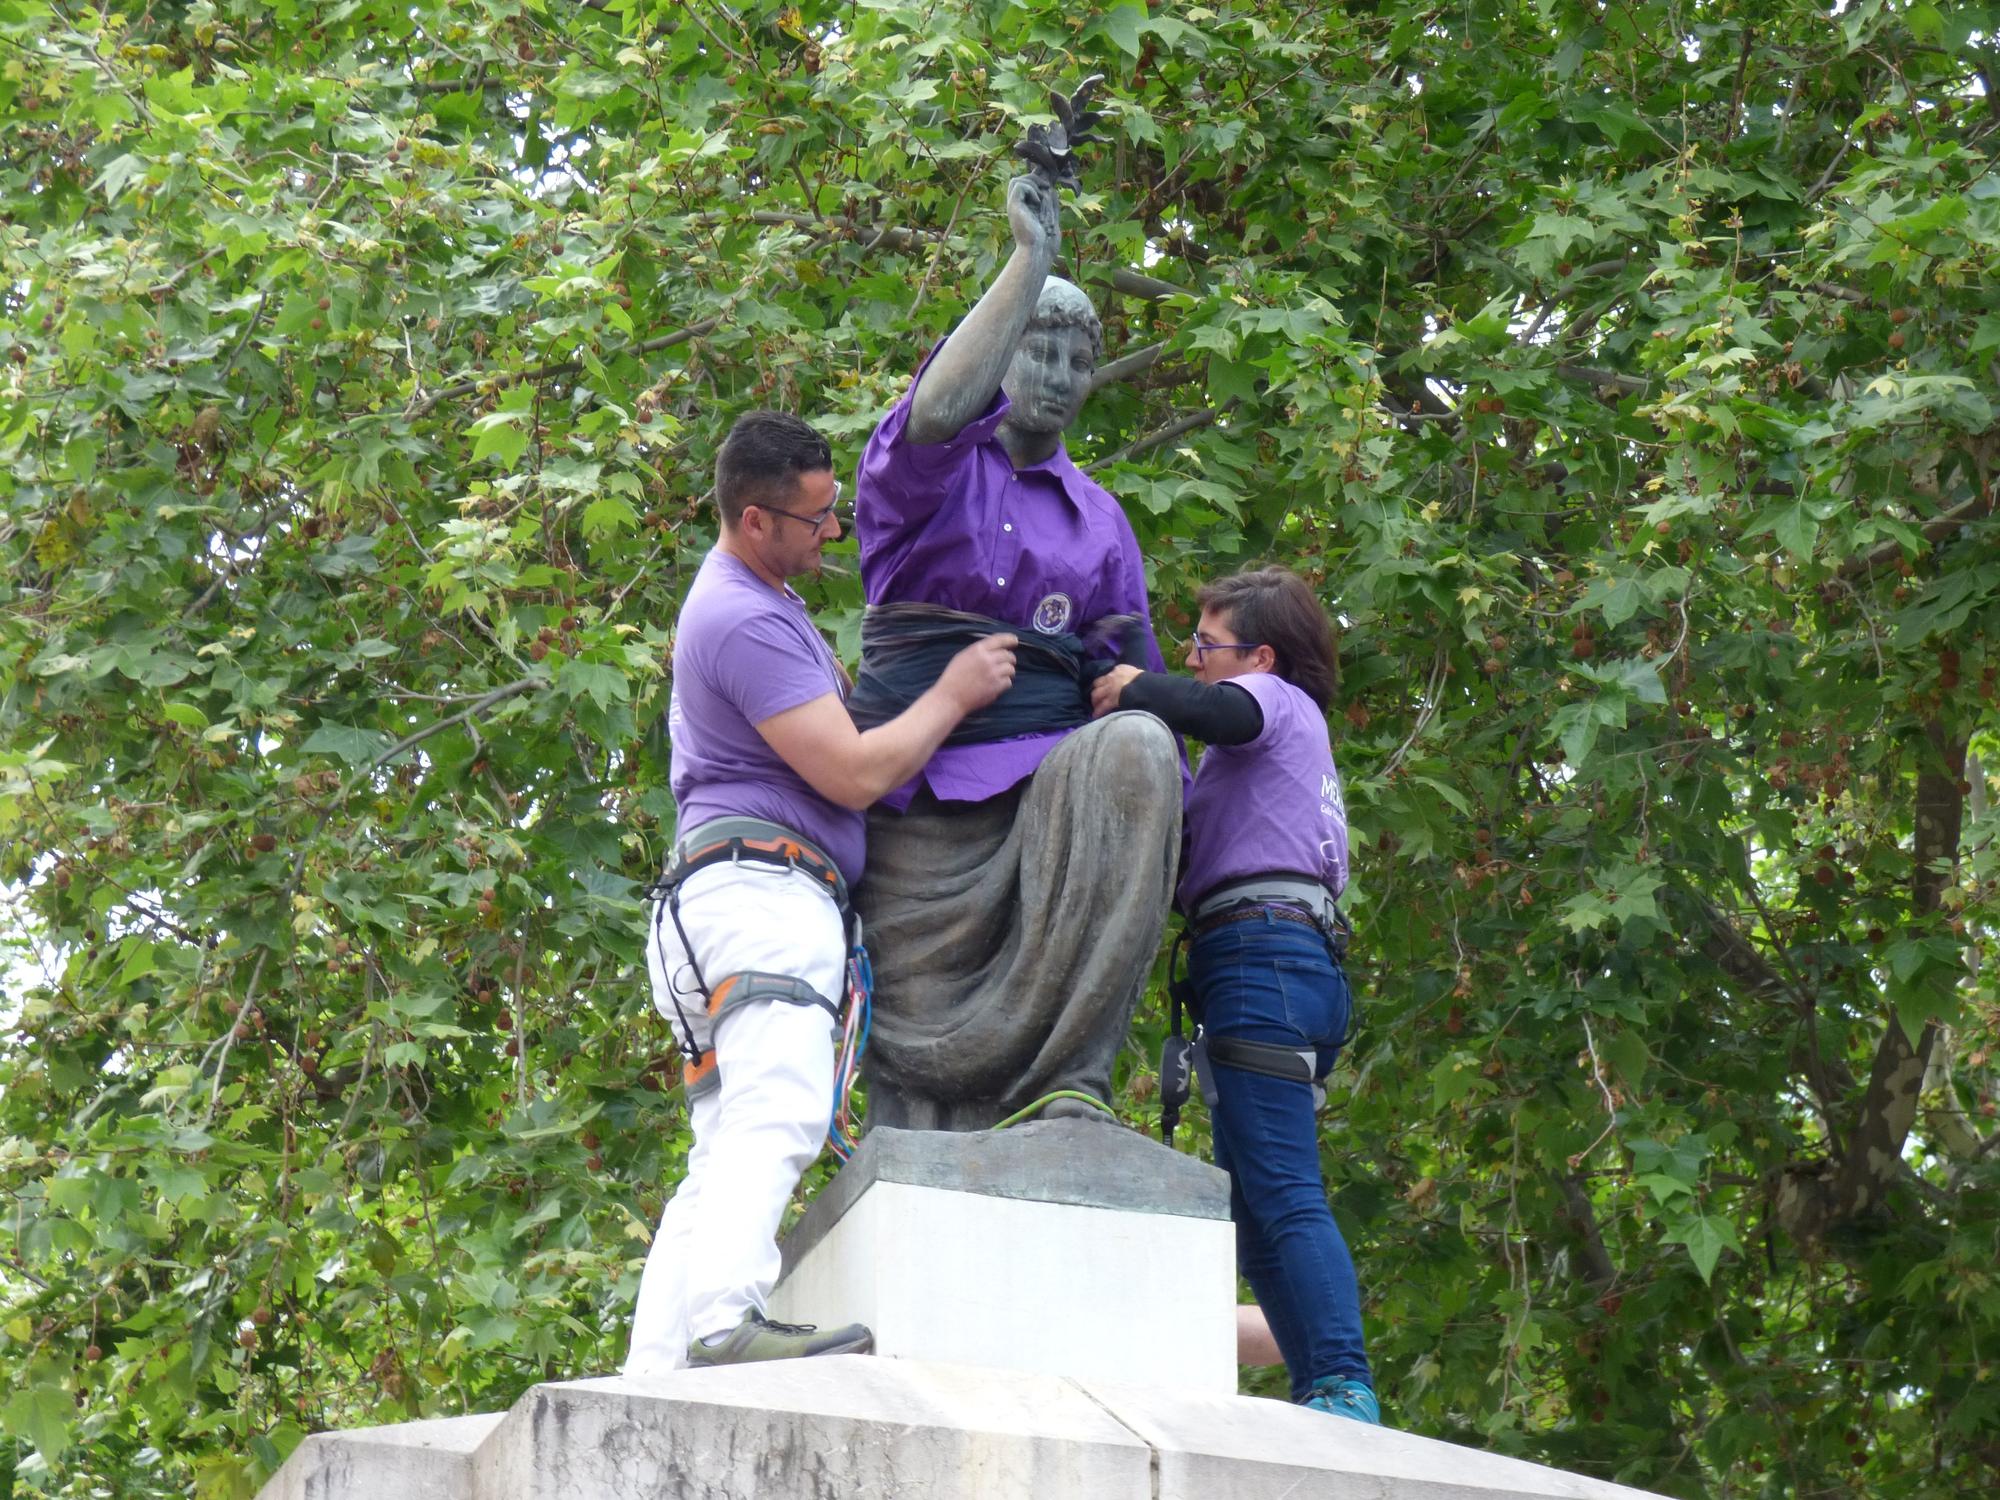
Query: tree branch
point(1736, 95)
point(1756, 977)
point(1161, 436)
point(472, 710)
point(1810, 1203)
point(1934, 530)
point(1127, 365)
point(1730, 951)
point(1151, 288)
point(1599, 1269)
point(424, 406)
point(1889, 1109)
point(1604, 380)
point(839, 226)
point(1826, 177)
point(1945, 1120)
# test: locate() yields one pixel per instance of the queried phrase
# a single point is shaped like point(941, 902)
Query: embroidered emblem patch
point(1052, 614)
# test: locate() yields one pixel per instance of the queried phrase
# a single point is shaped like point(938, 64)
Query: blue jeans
point(1268, 980)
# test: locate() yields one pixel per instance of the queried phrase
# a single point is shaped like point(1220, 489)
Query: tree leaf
point(41, 1413)
point(358, 747)
point(501, 436)
point(1706, 1237)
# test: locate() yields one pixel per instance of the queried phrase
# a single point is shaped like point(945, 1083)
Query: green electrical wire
point(1048, 1099)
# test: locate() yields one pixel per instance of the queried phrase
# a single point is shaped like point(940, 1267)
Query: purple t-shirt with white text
point(956, 524)
point(1273, 804)
point(745, 652)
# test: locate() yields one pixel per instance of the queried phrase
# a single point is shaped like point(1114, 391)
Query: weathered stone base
point(410, 1461)
point(1058, 1247)
point(853, 1426)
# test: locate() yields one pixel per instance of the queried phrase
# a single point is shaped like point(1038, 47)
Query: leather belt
point(1250, 913)
point(1277, 888)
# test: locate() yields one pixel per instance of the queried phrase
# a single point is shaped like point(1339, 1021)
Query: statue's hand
point(1032, 215)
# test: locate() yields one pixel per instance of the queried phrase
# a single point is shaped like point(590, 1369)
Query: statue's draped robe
point(1012, 937)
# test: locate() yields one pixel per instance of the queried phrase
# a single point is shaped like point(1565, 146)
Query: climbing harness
point(1183, 1058)
point(1290, 897)
point(744, 840)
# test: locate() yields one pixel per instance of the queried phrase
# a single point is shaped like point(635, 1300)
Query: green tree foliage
point(1624, 373)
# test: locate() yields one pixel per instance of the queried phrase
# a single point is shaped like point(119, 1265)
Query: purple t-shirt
point(744, 652)
point(1273, 804)
point(955, 523)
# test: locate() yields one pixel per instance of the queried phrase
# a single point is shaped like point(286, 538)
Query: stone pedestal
point(1067, 1247)
point(852, 1425)
point(1055, 1312)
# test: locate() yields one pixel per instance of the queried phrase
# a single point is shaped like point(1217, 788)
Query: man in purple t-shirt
point(747, 948)
point(1019, 885)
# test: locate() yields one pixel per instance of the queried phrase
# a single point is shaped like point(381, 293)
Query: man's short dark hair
point(1275, 607)
point(761, 460)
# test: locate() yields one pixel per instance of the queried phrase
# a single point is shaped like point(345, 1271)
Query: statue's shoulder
point(1091, 496)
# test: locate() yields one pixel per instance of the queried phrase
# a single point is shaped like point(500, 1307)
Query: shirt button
point(1006, 525)
point(1000, 583)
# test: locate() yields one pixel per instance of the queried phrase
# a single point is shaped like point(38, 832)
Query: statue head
point(1049, 376)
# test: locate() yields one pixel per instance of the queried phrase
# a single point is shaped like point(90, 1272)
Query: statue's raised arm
point(963, 379)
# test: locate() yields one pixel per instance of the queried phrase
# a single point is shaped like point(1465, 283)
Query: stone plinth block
point(1065, 1247)
point(836, 1428)
point(410, 1461)
point(853, 1426)
point(1241, 1448)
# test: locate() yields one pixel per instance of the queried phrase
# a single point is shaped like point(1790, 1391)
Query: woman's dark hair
point(1275, 607)
point(761, 460)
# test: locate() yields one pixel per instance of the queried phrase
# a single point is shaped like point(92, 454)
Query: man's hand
point(1031, 214)
point(980, 673)
point(1106, 691)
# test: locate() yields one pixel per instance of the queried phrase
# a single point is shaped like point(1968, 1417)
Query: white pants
point(716, 1253)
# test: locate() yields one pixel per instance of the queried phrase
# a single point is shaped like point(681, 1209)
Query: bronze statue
point(1016, 891)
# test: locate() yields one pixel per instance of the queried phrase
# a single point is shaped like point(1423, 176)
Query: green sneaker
point(758, 1338)
point(1344, 1398)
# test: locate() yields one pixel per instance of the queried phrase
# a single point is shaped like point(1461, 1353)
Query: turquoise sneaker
point(1344, 1398)
point(757, 1338)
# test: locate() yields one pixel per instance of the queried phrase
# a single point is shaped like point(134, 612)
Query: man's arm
point(819, 741)
point(959, 383)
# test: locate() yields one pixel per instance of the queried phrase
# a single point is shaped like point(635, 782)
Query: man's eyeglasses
point(818, 518)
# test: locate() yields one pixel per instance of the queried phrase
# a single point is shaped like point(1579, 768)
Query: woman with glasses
point(1265, 862)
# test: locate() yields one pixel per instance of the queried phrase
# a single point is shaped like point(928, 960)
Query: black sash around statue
point(905, 648)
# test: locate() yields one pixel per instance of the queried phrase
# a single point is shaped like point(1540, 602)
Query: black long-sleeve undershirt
point(1218, 714)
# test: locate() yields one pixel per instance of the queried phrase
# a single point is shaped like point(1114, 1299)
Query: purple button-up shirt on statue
point(956, 524)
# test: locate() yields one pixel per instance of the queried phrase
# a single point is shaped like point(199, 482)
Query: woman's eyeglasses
point(1202, 648)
